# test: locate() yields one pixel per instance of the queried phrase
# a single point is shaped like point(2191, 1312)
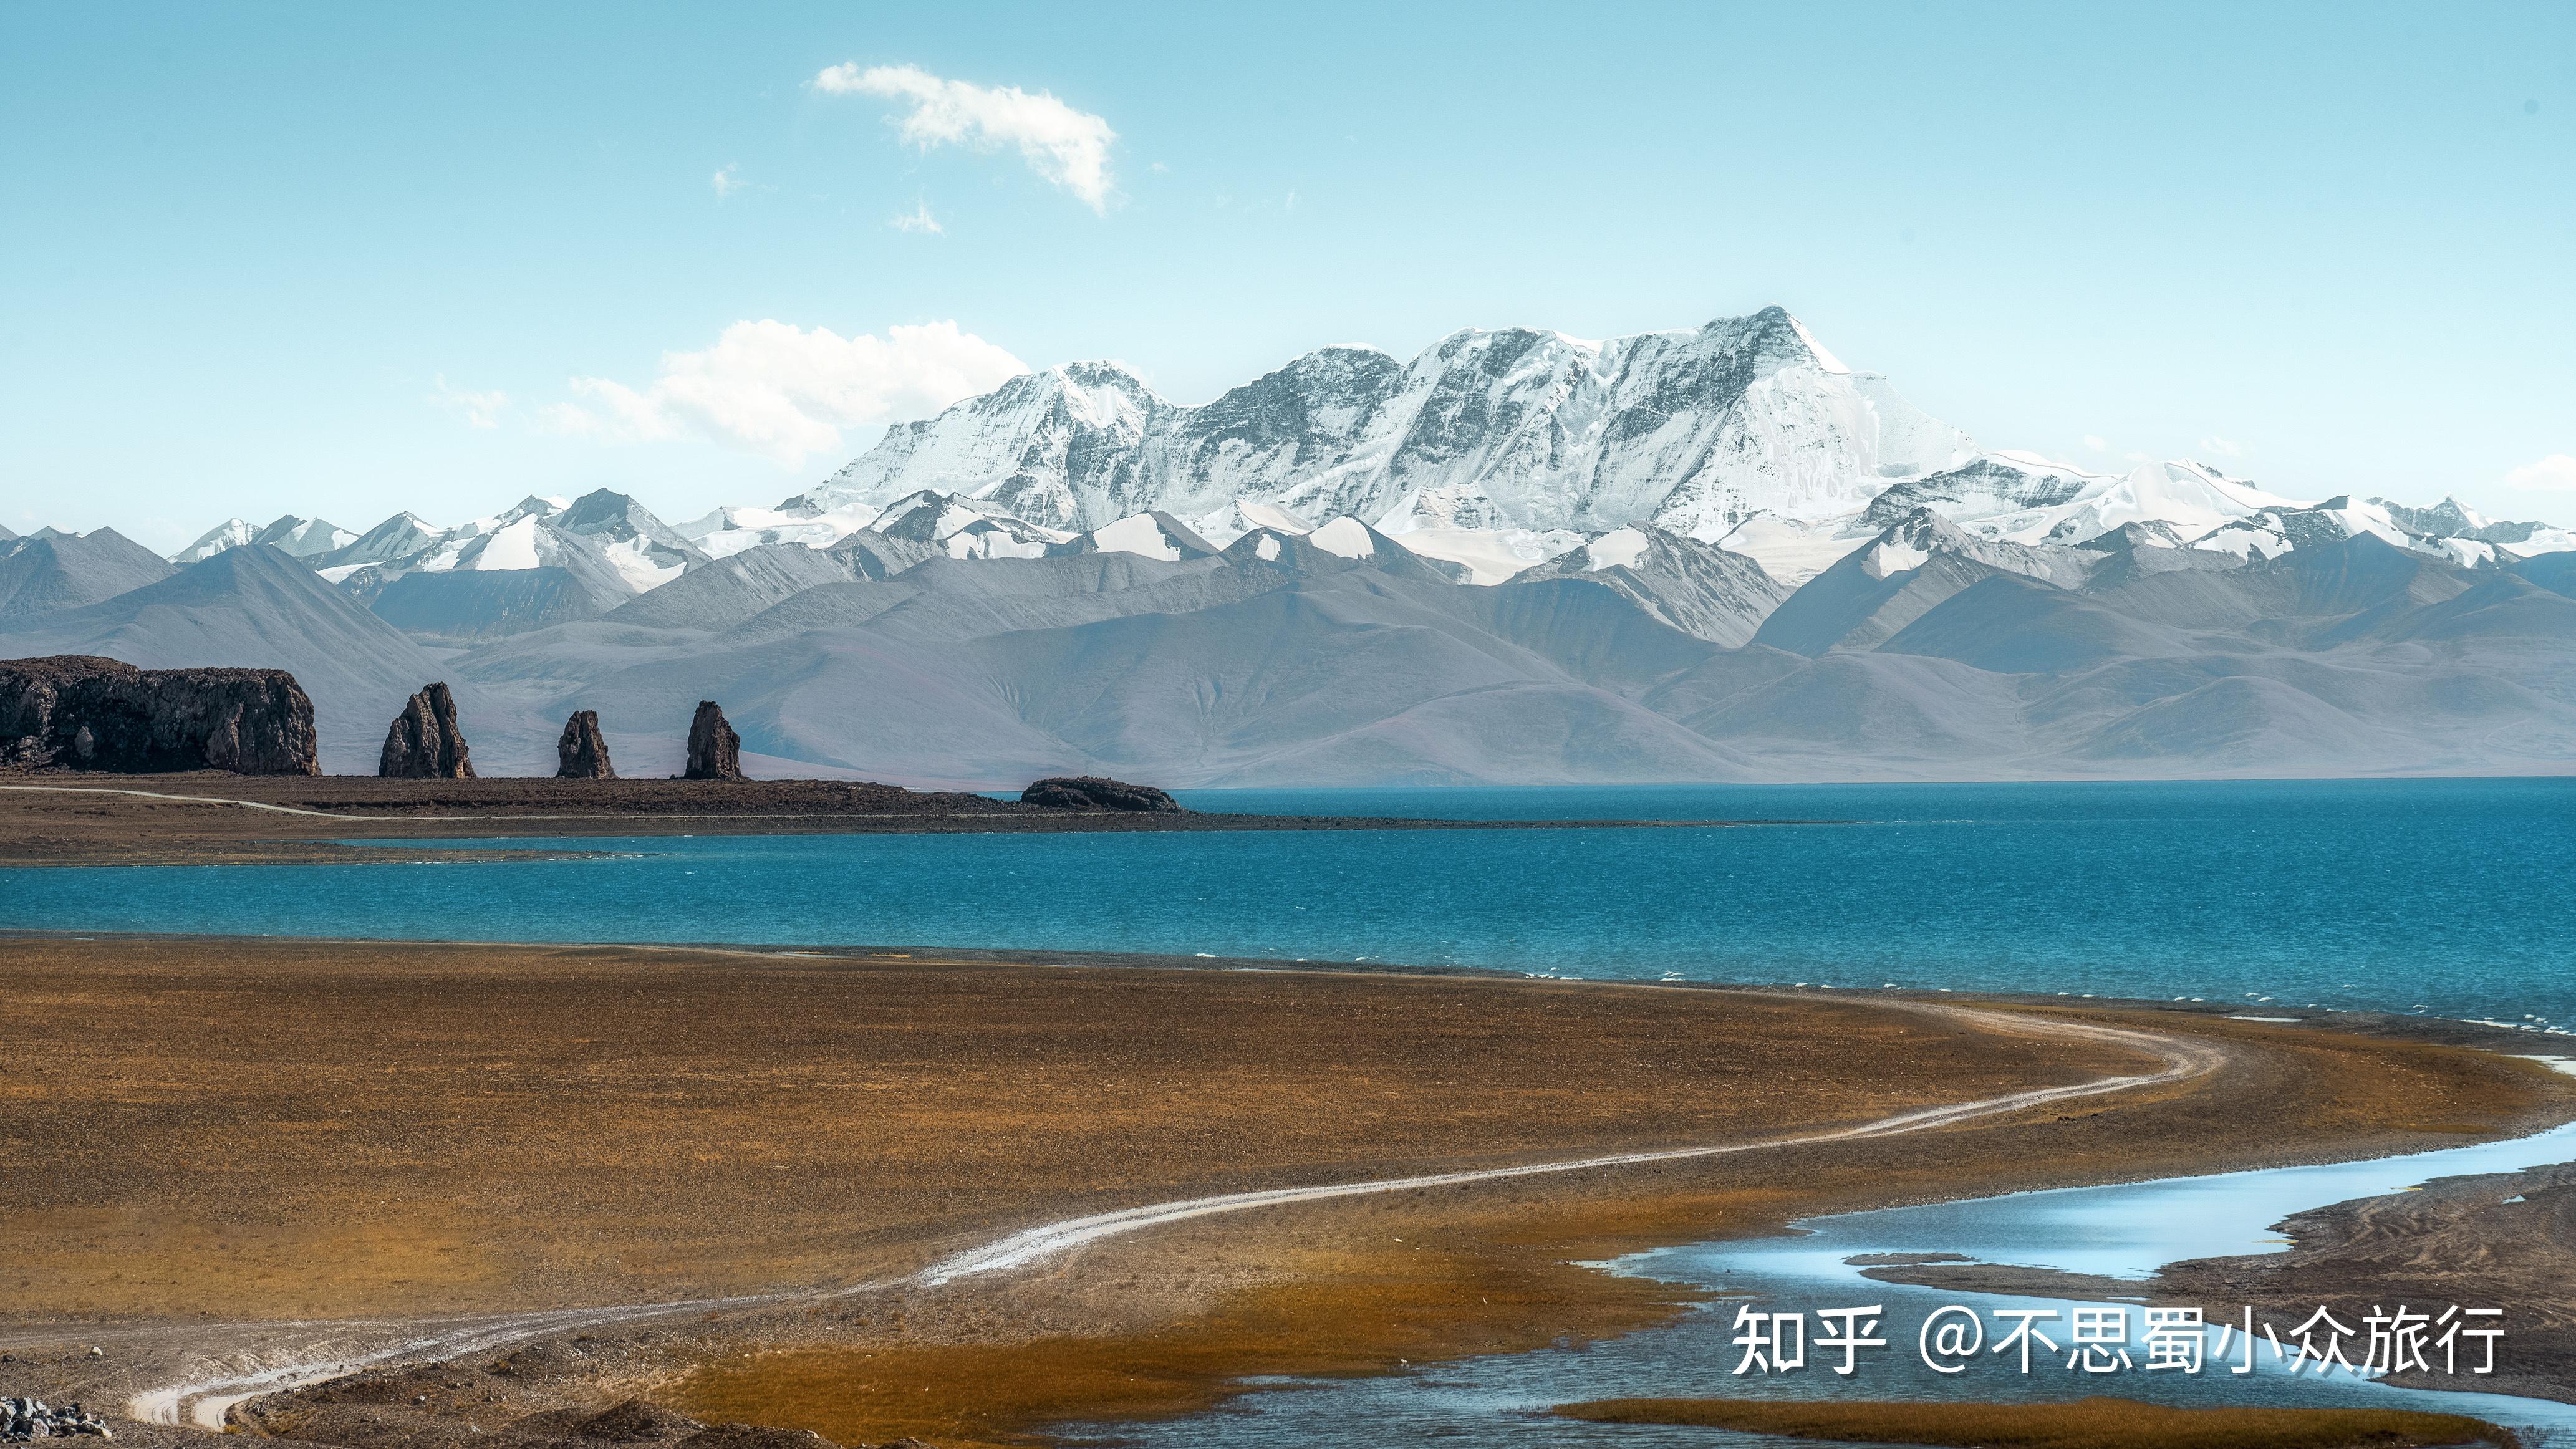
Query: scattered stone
point(636, 1421)
point(82, 712)
point(537, 1361)
point(424, 743)
point(753, 1436)
point(582, 753)
point(715, 751)
point(1094, 792)
point(24, 1419)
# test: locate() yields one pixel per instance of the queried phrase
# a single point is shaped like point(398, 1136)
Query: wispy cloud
point(728, 179)
point(2222, 447)
point(2553, 474)
point(1069, 148)
point(2096, 443)
point(479, 409)
point(787, 392)
point(918, 220)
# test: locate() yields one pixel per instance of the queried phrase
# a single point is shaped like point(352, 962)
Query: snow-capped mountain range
point(1515, 558)
point(1491, 453)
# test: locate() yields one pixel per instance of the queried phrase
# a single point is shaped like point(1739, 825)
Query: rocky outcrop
point(81, 712)
point(582, 753)
point(715, 751)
point(424, 743)
point(22, 1420)
point(1095, 792)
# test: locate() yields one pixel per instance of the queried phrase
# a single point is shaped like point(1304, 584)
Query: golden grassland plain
point(257, 1130)
point(2098, 1423)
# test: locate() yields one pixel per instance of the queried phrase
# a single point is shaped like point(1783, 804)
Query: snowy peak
point(397, 537)
point(645, 551)
point(1924, 535)
point(296, 537)
point(1696, 587)
point(231, 533)
point(1154, 535)
point(1504, 429)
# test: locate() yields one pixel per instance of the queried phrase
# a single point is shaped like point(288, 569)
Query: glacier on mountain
point(1489, 431)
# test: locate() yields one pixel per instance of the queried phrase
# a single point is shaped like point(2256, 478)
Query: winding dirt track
point(182, 799)
point(303, 1354)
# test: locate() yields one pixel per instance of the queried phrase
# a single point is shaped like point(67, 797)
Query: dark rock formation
point(582, 754)
point(424, 743)
point(1093, 792)
point(715, 751)
point(77, 711)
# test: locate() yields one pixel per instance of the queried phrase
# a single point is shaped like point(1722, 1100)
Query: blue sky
point(344, 260)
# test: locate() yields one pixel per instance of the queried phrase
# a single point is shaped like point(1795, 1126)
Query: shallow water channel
point(2123, 1231)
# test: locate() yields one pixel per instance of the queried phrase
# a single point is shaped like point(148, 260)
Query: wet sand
point(210, 818)
point(218, 1135)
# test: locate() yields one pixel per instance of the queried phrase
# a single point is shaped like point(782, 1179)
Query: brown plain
point(243, 1130)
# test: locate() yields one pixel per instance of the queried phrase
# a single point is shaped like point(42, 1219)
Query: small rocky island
point(1098, 792)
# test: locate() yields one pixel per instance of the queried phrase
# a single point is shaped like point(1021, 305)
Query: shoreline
point(1521, 1231)
point(2484, 1034)
point(207, 819)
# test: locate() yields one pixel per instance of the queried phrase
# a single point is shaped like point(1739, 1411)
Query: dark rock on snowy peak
point(86, 713)
point(424, 743)
point(1094, 792)
point(715, 751)
point(582, 753)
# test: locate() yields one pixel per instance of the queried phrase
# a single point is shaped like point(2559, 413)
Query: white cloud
point(919, 220)
point(1069, 148)
point(2097, 444)
point(2222, 447)
point(728, 180)
point(2553, 474)
point(786, 391)
point(479, 409)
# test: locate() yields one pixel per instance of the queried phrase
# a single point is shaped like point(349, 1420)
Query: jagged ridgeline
point(1710, 554)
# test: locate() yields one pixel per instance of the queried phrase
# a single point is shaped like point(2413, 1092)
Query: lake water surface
point(2450, 896)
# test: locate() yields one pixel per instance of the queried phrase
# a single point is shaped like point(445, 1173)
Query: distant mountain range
point(1705, 555)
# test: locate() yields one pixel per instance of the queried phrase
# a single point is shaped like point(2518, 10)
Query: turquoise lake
point(2455, 897)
